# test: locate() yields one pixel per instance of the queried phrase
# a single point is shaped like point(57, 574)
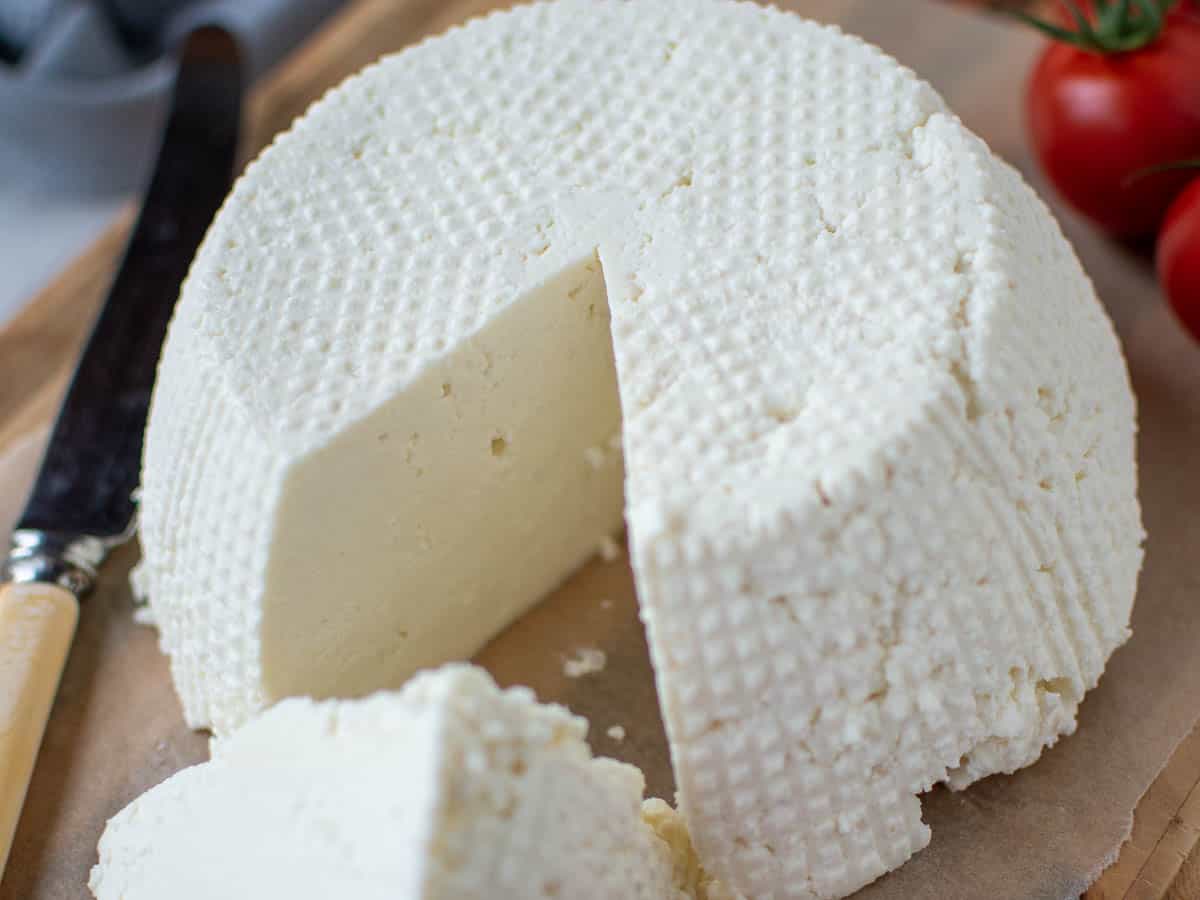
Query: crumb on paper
point(138, 588)
point(617, 733)
point(144, 615)
point(610, 550)
point(138, 582)
point(586, 661)
point(606, 604)
point(595, 457)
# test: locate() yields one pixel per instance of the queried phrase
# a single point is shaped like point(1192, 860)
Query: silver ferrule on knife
point(55, 557)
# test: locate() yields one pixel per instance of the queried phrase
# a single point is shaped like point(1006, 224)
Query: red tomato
point(1179, 257)
point(1098, 119)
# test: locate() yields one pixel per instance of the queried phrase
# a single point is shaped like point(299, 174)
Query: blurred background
point(83, 92)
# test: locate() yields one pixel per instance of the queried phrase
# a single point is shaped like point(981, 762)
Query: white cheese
point(610, 549)
point(878, 437)
point(449, 790)
point(585, 661)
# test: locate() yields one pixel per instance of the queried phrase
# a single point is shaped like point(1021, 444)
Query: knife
point(82, 504)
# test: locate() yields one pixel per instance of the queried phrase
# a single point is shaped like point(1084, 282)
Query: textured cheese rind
point(930, 600)
point(399, 221)
point(878, 434)
point(450, 789)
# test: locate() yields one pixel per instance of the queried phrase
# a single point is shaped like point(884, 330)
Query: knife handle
point(37, 622)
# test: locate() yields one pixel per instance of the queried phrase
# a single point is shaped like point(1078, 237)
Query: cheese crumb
point(610, 550)
point(586, 661)
point(689, 877)
point(616, 732)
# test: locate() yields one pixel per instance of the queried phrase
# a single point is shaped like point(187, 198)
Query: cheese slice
point(878, 437)
point(448, 790)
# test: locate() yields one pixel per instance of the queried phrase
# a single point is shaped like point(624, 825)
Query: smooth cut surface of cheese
point(448, 790)
point(878, 435)
point(493, 439)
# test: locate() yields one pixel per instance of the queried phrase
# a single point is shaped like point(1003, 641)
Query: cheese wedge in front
point(877, 435)
point(448, 790)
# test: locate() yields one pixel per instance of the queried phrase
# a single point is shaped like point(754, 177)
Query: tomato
point(1098, 119)
point(1179, 257)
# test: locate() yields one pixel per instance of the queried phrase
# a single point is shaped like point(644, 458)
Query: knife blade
point(82, 503)
point(91, 465)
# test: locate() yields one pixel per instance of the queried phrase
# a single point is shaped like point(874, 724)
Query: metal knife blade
point(84, 491)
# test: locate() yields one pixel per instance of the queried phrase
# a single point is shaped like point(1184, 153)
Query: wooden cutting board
point(89, 768)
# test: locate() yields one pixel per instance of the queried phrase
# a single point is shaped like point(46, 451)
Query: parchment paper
point(1042, 834)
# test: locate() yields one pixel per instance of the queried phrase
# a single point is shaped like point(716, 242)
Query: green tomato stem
point(1121, 26)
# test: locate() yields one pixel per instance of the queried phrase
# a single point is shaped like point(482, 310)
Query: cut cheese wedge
point(878, 437)
point(448, 790)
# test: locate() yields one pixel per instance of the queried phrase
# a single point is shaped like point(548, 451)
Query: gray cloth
point(83, 92)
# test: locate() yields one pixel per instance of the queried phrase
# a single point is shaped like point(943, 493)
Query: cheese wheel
point(877, 434)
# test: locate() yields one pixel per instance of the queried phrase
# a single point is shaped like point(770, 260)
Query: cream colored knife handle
point(37, 622)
